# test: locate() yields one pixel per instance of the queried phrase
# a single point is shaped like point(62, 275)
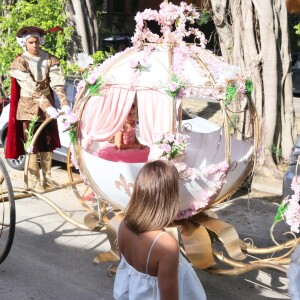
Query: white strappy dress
point(131, 284)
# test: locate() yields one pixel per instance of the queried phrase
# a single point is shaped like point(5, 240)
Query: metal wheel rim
point(6, 195)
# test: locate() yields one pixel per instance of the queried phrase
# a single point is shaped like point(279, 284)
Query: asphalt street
point(52, 259)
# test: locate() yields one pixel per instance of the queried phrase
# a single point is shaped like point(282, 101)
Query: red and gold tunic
point(33, 79)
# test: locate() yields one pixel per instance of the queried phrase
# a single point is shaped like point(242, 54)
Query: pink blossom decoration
point(133, 64)
point(173, 86)
point(155, 153)
point(92, 79)
point(81, 84)
point(168, 17)
point(169, 137)
point(186, 173)
point(30, 149)
point(73, 157)
point(69, 120)
point(158, 137)
point(170, 145)
point(289, 209)
point(167, 148)
point(215, 174)
point(294, 185)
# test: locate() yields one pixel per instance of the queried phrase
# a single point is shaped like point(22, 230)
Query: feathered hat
point(28, 31)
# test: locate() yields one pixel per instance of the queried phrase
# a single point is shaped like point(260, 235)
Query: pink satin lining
point(104, 115)
point(127, 156)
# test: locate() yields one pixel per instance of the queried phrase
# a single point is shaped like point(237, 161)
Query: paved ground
point(52, 259)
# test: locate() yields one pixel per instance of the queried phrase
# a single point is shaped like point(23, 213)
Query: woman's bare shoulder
point(168, 243)
point(167, 252)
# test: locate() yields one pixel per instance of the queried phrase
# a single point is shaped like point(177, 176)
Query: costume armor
point(34, 78)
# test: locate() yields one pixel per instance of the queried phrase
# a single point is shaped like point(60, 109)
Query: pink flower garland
point(168, 16)
point(292, 213)
point(216, 173)
point(99, 69)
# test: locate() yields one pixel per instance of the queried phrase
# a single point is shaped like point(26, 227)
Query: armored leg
point(46, 164)
point(34, 174)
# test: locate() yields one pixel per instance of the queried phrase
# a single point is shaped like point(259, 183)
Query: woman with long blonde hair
point(151, 265)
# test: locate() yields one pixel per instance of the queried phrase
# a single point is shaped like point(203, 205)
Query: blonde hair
point(155, 197)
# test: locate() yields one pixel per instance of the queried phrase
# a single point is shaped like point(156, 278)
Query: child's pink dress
point(129, 155)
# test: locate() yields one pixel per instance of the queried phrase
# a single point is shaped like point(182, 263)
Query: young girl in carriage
point(126, 137)
point(127, 147)
point(151, 265)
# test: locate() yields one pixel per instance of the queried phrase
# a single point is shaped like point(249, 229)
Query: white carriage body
point(204, 72)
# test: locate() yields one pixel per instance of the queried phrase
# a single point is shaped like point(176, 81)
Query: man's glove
point(66, 109)
point(52, 112)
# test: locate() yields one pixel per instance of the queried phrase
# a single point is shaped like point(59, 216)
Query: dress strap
point(148, 257)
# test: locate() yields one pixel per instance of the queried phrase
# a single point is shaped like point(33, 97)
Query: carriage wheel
point(7, 213)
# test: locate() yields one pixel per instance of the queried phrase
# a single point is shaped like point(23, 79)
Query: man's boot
point(34, 174)
point(46, 163)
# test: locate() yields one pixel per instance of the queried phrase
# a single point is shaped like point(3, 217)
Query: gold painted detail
point(224, 232)
point(196, 237)
point(112, 233)
point(122, 184)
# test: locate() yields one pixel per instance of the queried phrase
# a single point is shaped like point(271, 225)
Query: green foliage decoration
point(70, 123)
point(93, 87)
point(30, 133)
point(280, 212)
point(72, 134)
point(205, 17)
point(231, 93)
point(42, 13)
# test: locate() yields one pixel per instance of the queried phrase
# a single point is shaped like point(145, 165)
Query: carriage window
point(125, 146)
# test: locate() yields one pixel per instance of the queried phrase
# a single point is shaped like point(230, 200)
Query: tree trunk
point(82, 17)
point(253, 34)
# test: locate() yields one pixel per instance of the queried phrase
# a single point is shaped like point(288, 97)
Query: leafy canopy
point(297, 27)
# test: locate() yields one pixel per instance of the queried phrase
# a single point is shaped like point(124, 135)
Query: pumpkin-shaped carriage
point(158, 74)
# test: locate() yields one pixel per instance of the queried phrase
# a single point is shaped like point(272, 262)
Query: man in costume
point(35, 75)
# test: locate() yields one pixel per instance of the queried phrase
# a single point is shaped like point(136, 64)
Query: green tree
point(294, 28)
point(42, 13)
point(297, 28)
